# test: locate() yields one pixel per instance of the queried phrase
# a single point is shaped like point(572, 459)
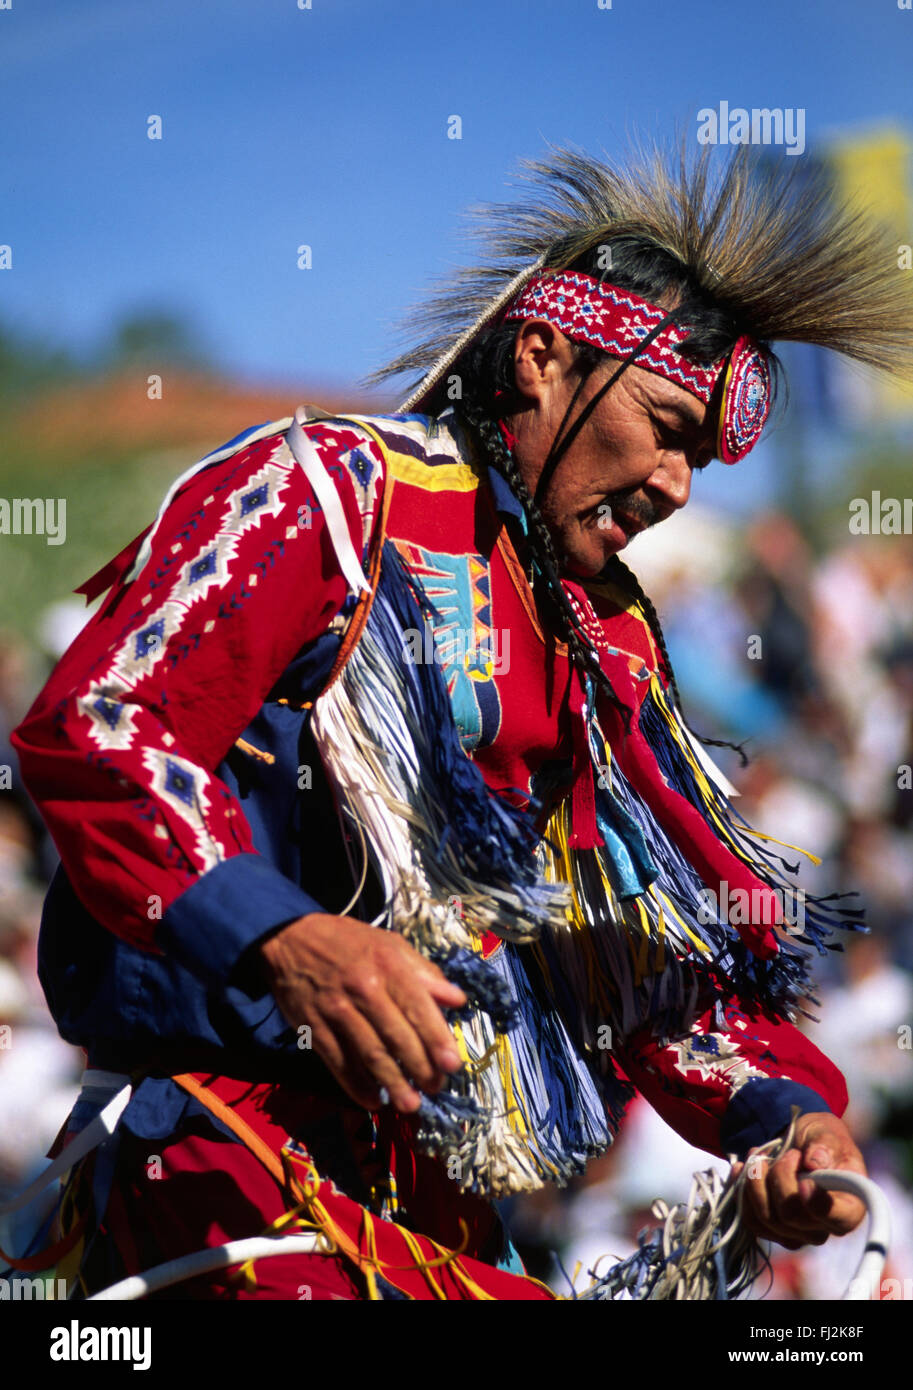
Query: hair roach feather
point(767, 241)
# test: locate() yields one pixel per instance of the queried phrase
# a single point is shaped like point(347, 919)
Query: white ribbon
point(325, 491)
point(95, 1133)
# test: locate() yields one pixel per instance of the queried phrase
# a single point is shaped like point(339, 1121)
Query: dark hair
point(486, 368)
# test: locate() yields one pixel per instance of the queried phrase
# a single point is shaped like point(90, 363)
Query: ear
point(543, 356)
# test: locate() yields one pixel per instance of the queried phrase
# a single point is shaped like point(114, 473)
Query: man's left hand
point(780, 1205)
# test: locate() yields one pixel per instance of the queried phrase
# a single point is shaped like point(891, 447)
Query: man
point(390, 672)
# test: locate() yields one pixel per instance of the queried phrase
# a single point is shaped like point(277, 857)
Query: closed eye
point(681, 443)
point(672, 438)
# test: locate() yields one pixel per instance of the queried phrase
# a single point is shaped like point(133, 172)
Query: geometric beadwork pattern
point(746, 402)
point(113, 723)
point(181, 784)
point(617, 321)
point(589, 311)
point(713, 1055)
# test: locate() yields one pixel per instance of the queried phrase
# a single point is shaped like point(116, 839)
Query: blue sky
point(328, 127)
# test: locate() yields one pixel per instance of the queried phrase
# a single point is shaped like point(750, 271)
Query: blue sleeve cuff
point(760, 1110)
point(231, 907)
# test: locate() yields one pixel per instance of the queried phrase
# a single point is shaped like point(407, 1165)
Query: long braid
point(627, 579)
point(583, 653)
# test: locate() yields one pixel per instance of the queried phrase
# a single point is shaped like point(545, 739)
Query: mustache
point(627, 503)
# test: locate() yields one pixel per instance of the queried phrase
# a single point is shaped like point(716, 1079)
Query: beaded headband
point(617, 321)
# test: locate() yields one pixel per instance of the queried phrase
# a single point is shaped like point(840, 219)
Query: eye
point(673, 439)
point(681, 442)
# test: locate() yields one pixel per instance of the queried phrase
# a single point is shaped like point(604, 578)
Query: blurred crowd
point(39, 1072)
point(808, 656)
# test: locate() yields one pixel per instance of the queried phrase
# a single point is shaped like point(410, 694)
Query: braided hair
point(486, 372)
point(583, 653)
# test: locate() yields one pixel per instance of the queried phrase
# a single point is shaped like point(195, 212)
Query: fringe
point(785, 981)
point(456, 860)
point(390, 745)
point(702, 1250)
point(595, 943)
point(639, 945)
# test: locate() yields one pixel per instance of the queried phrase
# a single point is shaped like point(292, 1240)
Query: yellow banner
point(873, 171)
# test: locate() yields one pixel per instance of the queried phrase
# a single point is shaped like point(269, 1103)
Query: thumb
point(818, 1154)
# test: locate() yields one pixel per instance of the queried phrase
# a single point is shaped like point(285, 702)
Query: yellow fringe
point(704, 784)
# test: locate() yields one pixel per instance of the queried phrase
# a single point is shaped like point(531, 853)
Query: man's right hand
point(373, 1005)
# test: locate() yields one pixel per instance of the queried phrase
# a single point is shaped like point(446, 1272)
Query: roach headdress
point(768, 242)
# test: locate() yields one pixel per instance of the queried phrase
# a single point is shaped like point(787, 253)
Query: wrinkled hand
point(781, 1206)
point(373, 1005)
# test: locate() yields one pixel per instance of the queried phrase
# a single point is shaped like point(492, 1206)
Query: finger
point(838, 1212)
point(357, 1081)
point(783, 1206)
point(426, 1019)
point(368, 988)
point(783, 1233)
point(441, 989)
point(788, 1210)
point(346, 1067)
point(379, 993)
point(397, 1015)
point(326, 1045)
point(798, 1208)
point(842, 1212)
point(759, 1214)
point(362, 1044)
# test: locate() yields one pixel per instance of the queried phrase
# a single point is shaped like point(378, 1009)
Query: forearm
point(730, 1084)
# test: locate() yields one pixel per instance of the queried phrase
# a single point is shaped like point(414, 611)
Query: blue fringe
point(564, 1101)
point(564, 1104)
point(449, 1121)
point(492, 840)
point(483, 987)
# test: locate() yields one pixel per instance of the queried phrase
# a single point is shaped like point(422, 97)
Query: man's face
point(629, 466)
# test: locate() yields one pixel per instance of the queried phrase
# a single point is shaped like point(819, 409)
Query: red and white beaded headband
point(616, 320)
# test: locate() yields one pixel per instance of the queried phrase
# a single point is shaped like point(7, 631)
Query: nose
point(671, 481)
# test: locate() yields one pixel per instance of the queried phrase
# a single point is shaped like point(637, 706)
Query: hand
point(781, 1206)
point(372, 1002)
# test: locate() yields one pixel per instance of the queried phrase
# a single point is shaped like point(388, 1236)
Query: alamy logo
point(463, 648)
point(762, 125)
point(881, 516)
point(75, 1343)
point(34, 516)
point(30, 1290)
point(757, 907)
